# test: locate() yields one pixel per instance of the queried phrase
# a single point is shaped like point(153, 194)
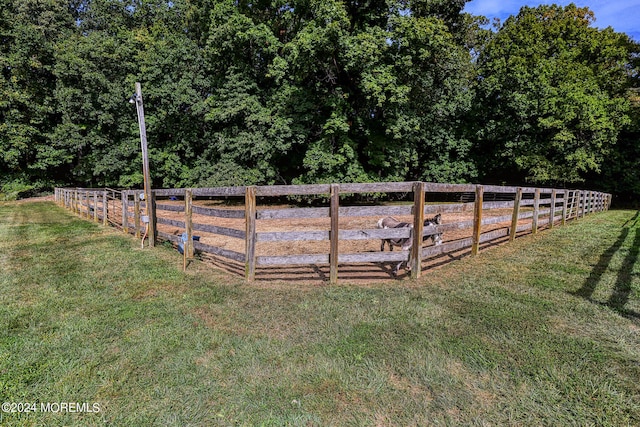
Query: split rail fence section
point(494, 213)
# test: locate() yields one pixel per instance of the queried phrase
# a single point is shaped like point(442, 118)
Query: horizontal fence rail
point(248, 229)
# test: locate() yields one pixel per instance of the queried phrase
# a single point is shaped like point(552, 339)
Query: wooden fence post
point(587, 204)
point(188, 225)
point(565, 204)
point(334, 233)
point(600, 202)
point(418, 228)
point(250, 242)
point(136, 213)
point(153, 225)
point(583, 198)
point(105, 207)
point(188, 221)
point(124, 196)
point(95, 205)
point(536, 211)
point(552, 209)
point(516, 214)
point(477, 220)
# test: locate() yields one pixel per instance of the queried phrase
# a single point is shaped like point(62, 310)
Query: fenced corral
point(258, 232)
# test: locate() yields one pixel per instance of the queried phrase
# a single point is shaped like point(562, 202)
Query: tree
point(551, 99)
point(373, 90)
point(29, 31)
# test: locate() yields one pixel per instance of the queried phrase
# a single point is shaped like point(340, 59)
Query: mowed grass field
point(96, 331)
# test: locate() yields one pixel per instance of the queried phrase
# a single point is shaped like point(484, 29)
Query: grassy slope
point(545, 331)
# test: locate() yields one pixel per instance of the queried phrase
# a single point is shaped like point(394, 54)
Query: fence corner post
point(334, 233)
point(477, 220)
point(250, 236)
point(415, 258)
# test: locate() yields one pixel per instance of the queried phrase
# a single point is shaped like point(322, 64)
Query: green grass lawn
point(544, 331)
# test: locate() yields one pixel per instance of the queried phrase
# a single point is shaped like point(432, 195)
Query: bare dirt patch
point(365, 272)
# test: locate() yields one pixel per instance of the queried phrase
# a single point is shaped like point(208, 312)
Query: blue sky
point(622, 15)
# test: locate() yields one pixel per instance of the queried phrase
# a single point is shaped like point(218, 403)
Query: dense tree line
point(275, 91)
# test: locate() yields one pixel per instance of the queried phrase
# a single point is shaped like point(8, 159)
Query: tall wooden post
point(516, 214)
point(418, 229)
point(250, 242)
point(148, 195)
point(334, 233)
point(477, 220)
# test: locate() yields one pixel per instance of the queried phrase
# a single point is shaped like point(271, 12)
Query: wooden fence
point(243, 226)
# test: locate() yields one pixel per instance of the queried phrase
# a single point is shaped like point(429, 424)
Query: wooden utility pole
point(149, 203)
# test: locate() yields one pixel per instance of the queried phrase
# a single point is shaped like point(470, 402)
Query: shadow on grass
point(622, 287)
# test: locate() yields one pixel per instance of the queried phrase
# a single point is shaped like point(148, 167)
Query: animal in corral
point(405, 243)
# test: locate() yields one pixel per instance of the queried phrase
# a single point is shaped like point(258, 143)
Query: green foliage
point(14, 190)
point(239, 92)
point(552, 94)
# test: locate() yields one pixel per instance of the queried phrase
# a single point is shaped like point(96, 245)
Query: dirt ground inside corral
point(364, 272)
